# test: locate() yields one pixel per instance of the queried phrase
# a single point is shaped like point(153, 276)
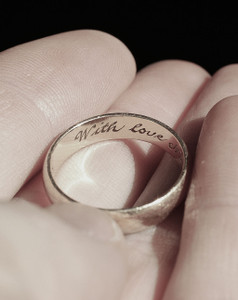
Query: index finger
point(49, 84)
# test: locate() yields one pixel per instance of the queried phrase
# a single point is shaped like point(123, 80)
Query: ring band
point(120, 126)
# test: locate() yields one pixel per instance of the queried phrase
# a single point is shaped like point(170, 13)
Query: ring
point(114, 126)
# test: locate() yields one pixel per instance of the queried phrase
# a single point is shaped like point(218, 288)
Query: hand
point(75, 252)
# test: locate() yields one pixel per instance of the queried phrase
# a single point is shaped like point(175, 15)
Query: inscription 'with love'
point(138, 131)
point(106, 128)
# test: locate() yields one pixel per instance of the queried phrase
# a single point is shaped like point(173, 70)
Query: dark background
point(205, 33)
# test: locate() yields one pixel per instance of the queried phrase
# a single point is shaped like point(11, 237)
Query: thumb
point(63, 252)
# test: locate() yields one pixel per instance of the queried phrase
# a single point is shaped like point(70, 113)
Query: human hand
point(75, 252)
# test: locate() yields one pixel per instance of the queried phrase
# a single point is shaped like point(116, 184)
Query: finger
point(48, 85)
point(207, 263)
point(68, 254)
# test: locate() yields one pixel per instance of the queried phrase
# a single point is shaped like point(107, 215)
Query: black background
point(205, 33)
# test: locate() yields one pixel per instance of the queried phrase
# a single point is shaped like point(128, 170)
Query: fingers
point(222, 85)
point(208, 252)
point(58, 254)
point(50, 84)
point(116, 170)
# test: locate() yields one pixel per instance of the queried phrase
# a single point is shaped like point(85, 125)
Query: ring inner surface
point(113, 126)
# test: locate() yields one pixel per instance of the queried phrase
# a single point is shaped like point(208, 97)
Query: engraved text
point(138, 128)
point(97, 129)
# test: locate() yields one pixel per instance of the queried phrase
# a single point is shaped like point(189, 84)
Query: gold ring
point(120, 126)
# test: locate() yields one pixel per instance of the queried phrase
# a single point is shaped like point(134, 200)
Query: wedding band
point(115, 126)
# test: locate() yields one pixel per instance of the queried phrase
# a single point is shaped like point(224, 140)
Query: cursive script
point(96, 129)
point(174, 147)
point(139, 128)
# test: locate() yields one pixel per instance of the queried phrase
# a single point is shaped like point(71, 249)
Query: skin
point(78, 252)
